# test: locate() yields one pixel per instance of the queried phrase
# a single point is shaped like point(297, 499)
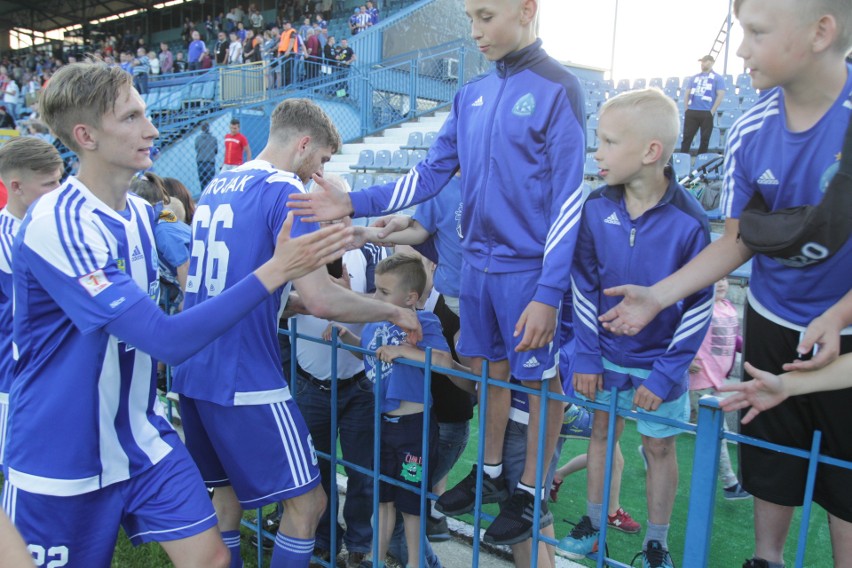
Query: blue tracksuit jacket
point(518, 135)
point(613, 249)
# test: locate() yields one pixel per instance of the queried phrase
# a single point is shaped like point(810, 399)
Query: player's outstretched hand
point(391, 224)
point(823, 337)
point(537, 323)
point(588, 384)
point(633, 313)
point(326, 204)
point(294, 258)
point(762, 393)
point(646, 400)
point(407, 320)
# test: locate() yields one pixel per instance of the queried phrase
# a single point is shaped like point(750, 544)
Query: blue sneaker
point(655, 556)
point(577, 423)
point(581, 541)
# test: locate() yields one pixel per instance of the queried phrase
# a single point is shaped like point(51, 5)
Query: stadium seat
point(365, 160)
point(730, 102)
point(684, 82)
point(429, 138)
point(382, 179)
point(208, 90)
point(681, 164)
point(591, 106)
point(748, 102)
point(716, 140)
point(743, 81)
point(607, 85)
point(591, 139)
point(415, 140)
point(623, 85)
point(703, 159)
point(416, 157)
point(348, 178)
point(639, 84)
point(399, 160)
point(671, 92)
point(673, 83)
point(656, 82)
point(590, 166)
point(726, 119)
point(362, 181)
point(729, 83)
point(592, 122)
point(382, 160)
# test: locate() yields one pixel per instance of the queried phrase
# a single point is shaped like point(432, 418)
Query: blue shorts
point(676, 409)
point(401, 459)
point(490, 306)
point(263, 451)
point(166, 502)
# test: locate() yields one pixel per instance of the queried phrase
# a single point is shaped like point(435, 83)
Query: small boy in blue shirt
point(400, 280)
point(642, 225)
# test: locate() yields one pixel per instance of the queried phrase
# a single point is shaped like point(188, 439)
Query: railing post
point(702, 495)
point(808, 501)
point(332, 449)
point(412, 89)
point(480, 459)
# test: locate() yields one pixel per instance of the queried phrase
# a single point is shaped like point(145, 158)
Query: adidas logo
point(137, 254)
point(478, 102)
point(612, 219)
point(767, 178)
point(531, 363)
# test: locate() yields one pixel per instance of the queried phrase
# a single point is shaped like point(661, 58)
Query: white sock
point(492, 471)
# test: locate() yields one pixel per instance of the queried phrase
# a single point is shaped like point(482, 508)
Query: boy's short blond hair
point(81, 93)
point(841, 10)
point(408, 267)
point(301, 116)
point(28, 154)
point(655, 116)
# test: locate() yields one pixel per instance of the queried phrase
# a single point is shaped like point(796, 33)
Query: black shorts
point(780, 478)
point(400, 459)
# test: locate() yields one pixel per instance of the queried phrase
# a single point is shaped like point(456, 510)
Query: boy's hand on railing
point(646, 400)
point(588, 384)
point(387, 353)
point(765, 391)
point(341, 331)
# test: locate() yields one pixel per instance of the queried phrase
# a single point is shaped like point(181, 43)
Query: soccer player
point(242, 426)
point(89, 448)
point(518, 136)
point(29, 167)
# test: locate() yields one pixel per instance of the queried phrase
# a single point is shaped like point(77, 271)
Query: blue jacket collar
point(517, 61)
point(616, 192)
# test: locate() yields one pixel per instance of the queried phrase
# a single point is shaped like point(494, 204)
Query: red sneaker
point(554, 490)
point(623, 522)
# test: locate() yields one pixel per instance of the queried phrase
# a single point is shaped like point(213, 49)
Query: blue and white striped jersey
point(83, 411)
point(788, 169)
point(234, 230)
point(9, 225)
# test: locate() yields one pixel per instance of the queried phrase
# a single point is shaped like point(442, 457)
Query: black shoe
point(515, 522)
point(461, 498)
point(756, 563)
point(437, 530)
point(654, 556)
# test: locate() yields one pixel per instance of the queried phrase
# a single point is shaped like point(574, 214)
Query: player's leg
point(596, 465)
point(553, 424)
point(205, 549)
point(771, 525)
point(841, 541)
point(412, 538)
point(386, 524)
point(496, 415)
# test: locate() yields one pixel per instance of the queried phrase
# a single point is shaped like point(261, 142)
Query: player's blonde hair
point(26, 153)
point(409, 269)
point(655, 115)
point(840, 10)
point(81, 93)
point(301, 116)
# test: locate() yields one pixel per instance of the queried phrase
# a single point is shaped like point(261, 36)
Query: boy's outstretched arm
point(642, 304)
point(766, 390)
point(823, 334)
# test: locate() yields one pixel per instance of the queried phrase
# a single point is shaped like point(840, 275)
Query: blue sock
point(291, 552)
point(232, 541)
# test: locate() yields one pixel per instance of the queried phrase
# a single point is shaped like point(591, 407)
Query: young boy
point(238, 379)
point(643, 225)
point(29, 168)
point(89, 448)
point(400, 280)
point(518, 135)
point(786, 148)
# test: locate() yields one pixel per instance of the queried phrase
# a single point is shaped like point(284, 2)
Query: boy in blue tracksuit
point(641, 226)
point(518, 135)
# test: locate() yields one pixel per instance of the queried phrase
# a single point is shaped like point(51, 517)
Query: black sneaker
point(756, 563)
point(515, 522)
point(461, 498)
point(654, 556)
point(437, 530)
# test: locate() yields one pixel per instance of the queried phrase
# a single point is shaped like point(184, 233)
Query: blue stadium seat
point(415, 140)
point(382, 160)
point(590, 166)
point(382, 179)
point(748, 102)
point(399, 160)
point(729, 83)
point(656, 82)
point(592, 122)
point(348, 178)
point(730, 102)
point(639, 84)
point(681, 163)
point(208, 90)
point(591, 106)
point(716, 140)
point(591, 139)
point(429, 138)
point(703, 159)
point(684, 82)
point(416, 157)
point(607, 85)
point(671, 92)
point(365, 160)
point(743, 81)
point(623, 85)
point(673, 83)
point(362, 181)
point(726, 119)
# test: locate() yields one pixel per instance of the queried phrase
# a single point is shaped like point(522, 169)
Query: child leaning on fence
point(400, 280)
point(641, 225)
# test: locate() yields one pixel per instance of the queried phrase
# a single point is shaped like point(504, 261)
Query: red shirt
point(3, 195)
point(235, 144)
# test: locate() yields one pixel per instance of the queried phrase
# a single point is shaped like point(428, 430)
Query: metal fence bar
point(809, 493)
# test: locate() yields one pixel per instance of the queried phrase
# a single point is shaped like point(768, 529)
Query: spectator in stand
point(239, 15)
point(11, 93)
point(141, 69)
point(241, 32)
point(314, 57)
point(185, 34)
point(221, 49)
point(256, 21)
point(705, 93)
point(304, 28)
point(167, 60)
point(237, 149)
point(251, 48)
point(373, 12)
point(154, 63)
point(235, 50)
point(180, 64)
point(345, 55)
point(196, 49)
point(291, 48)
point(206, 149)
point(321, 22)
point(353, 22)
point(363, 20)
point(230, 22)
point(209, 28)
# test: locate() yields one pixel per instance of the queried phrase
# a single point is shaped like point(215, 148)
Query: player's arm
point(413, 234)
point(669, 369)
point(247, 151)
point(767, 390)
point(424, 180)
point(823, 336)
point(566, 154)
point(13, 551)
point(585, 289)
point(388, 353)
point(173, 339)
